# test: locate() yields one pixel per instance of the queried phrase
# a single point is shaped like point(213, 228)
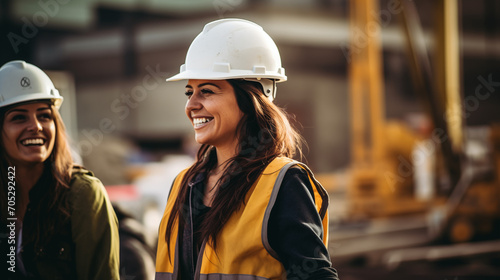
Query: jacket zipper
point(192, 227)
point(198, 263)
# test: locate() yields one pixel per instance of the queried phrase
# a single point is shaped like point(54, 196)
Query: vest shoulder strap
point(282, 165)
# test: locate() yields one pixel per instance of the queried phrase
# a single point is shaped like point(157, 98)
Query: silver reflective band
point(214, 276)
point(217, 276)
point(164, 276)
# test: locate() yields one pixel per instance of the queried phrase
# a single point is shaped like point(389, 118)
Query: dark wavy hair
point(265, 133)
point(53, 207)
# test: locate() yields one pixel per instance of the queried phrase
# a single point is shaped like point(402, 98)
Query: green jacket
point(88, 246)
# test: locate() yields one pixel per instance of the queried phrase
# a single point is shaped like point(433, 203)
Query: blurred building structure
point(117, 55)
point(119, 52)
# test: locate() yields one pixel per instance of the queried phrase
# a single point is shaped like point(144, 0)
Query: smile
point(33, 142)
point(198, 122)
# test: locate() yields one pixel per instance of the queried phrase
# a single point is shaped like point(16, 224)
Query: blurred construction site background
point(398, 100)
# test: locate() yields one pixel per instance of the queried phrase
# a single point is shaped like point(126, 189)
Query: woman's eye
point(46, 116)
point(188, 93)
point(18, 118)
point(206, 91)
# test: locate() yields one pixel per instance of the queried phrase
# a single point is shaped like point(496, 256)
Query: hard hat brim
point(38, 96)
point(235, 74)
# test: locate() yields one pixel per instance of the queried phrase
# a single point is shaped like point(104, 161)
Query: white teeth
point(199, 121)
point(33, 141)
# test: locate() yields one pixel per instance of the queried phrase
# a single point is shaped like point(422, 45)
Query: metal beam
point(425, 84)
point(366, 83)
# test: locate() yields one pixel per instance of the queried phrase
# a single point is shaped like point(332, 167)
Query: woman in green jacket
point(59, 221)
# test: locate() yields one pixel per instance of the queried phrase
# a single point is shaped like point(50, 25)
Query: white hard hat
point(234, 49)
point(21, 82)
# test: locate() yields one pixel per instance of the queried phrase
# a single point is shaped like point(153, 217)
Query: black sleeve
point(295, 231)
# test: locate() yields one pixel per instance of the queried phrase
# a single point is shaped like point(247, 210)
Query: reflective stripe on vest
point(215, 276)
point(243, 251)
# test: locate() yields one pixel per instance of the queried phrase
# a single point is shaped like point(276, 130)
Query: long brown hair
point(53, 207)
point(265, 133)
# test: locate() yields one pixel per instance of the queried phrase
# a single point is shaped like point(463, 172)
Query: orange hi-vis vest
point(243, 251)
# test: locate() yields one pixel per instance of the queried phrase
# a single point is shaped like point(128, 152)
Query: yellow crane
point(381, 173)
point(379, 183)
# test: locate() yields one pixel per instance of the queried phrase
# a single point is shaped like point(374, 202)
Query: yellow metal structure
point(381, 172)
point(447, 69)
point(477, 215)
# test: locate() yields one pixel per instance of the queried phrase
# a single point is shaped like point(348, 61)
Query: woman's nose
point(193, 102)
point(35, 125)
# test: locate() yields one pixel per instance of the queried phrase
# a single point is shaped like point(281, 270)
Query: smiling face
point(28, 133)
point(213, 111)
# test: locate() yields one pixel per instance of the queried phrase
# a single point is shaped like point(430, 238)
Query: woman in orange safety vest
point(244, 209)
